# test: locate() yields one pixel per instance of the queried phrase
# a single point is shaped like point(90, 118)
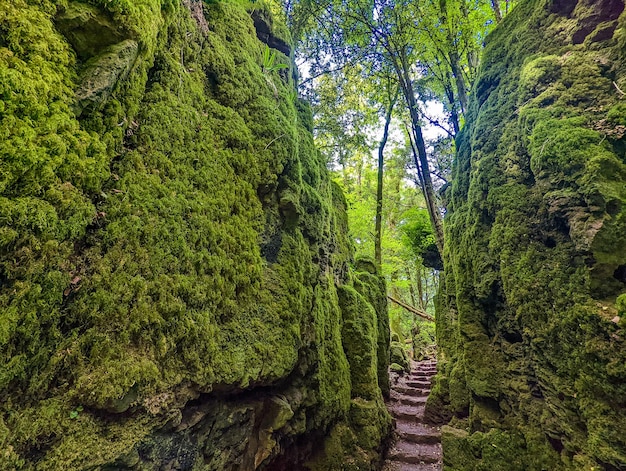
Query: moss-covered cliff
point(532, 321)
point(175, 281)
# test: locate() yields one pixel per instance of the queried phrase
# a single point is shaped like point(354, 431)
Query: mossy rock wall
point(532, 341)
point(170, 244)
point(357, 442)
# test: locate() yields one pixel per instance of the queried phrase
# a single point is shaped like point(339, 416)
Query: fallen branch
point(414, 310)
point(618, 89)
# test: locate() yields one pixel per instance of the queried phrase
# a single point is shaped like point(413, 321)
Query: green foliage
point(416, 230)
point(74, 414)
point(441, 40)
point(269, 61)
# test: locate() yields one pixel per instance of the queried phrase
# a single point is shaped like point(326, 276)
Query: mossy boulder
point(359, 335)
point(535, 247)
point(89, 29)
point(171, 248)
point(495, 449)
point(357, 442)
point(103, 72)
point(398, 355)
point(371, 285)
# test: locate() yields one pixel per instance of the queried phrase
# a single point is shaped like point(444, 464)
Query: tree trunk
point(421, 159)
point(379, 188)
point(461, 89)
point(453, 55)
point(495, 6)
point(411, 288)
point(420, 288)
point(453, 111)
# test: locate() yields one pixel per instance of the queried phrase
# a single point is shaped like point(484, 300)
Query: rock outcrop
point(176, 281)
point(531, 313)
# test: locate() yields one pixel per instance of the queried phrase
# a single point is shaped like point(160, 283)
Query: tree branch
point(414, 310)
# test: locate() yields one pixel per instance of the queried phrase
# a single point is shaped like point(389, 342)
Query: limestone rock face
point(174, 257)
point(88, 29)
point(103, 72)
point(536, 248)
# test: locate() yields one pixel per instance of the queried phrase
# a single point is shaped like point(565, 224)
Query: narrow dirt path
point(417, 446)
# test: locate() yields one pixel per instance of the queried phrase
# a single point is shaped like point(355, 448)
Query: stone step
point(407, 413)
point(418, 433)
point(430, 371)
point(411, 391)
point(412, 400)
point(418, 384)
point(415, 453)
point(418, 446)
point(420, 377)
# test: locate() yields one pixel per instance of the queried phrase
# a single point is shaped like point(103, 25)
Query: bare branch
point(414, 310)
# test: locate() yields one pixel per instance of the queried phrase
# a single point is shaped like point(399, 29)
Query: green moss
point(495, 450)
point(356, 444)
point(359, 336)
point(356, 441)
point(534, 246)
point(167, 225)
point(621, 305)
point(372, 286)
point(397, 354)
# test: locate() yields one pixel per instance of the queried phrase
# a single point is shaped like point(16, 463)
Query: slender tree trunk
point(420, 289)
point(433, 210)
point(421, 159)
point(495, 6)
point(453, 55)
point(453, 111)
point(379, 188)
point(458, 77)
point(411, 288)
point(412, 309)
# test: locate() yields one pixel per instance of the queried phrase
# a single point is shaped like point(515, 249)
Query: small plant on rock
point(269, 61)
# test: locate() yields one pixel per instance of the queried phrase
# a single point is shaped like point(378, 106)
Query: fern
point(269, 61)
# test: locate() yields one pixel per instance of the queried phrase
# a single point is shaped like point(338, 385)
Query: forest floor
point(416, 445)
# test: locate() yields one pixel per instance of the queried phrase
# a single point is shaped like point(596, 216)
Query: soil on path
point(416, 446)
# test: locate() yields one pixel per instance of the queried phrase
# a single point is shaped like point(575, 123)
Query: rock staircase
point(417, 446)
